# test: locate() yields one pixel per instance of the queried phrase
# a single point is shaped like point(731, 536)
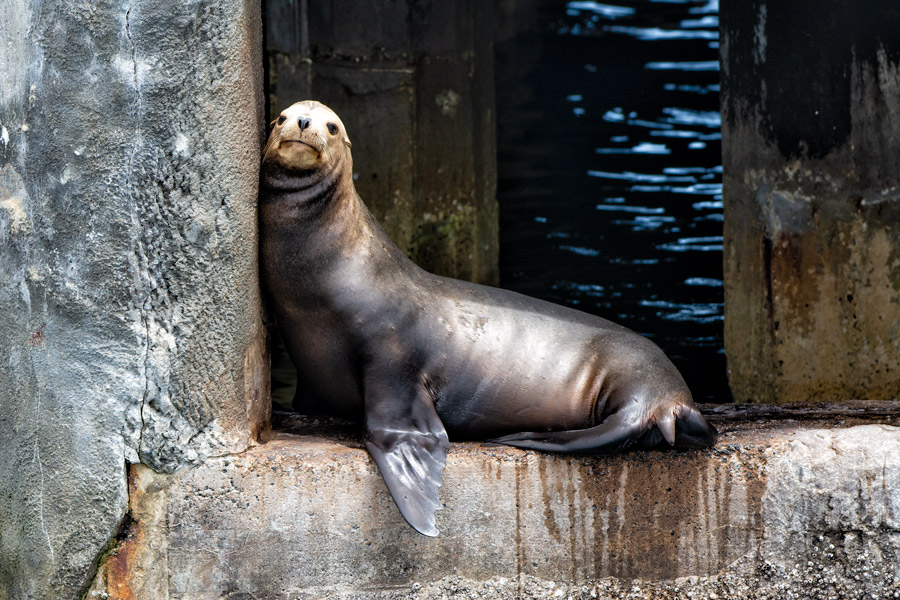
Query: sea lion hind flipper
point(409, 445)
point(617, 432)
point(621, 431)
point(666, 426)
point(692, 430)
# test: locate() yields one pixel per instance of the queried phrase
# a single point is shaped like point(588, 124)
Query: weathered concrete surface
point(414, 84)
point(129, 305)
point(781, 508)
point(811, 152)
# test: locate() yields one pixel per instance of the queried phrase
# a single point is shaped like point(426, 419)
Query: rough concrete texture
point(811, 152)
point(129, 307)
point(414, 84)
point(781, 508)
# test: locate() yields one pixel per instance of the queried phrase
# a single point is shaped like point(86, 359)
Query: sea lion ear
point(347, 141)
point(272, 123)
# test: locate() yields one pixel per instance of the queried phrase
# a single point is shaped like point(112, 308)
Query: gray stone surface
point(811, 157)
point(129, 306)
point(779, 509)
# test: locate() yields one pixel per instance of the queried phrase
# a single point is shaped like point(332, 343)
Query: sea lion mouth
point(319, 151)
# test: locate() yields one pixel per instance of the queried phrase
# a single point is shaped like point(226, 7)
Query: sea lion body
point(421, 357)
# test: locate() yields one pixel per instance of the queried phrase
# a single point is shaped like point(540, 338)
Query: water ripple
point(648, 177)
point(581, 251)
point(689, 116)
point(691, 65)
point(640, 210)
point(697, 312)
point(607, 11)
point(707, 281)
point(642, 148)
point(712, 243)
point(656, 33)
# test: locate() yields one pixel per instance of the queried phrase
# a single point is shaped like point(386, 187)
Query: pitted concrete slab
point(780, 508)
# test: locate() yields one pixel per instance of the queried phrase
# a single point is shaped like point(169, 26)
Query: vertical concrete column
point(811, 151)
point(130, 322)
point(414, 84)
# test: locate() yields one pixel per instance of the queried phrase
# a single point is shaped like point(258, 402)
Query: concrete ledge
point(781, 508)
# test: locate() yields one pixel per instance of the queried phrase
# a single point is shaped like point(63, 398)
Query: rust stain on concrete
point(137, 567)
point(116, 573)
point(257, 392)
point(119, 566)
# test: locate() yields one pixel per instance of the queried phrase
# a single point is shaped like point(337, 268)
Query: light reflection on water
point(610, 172)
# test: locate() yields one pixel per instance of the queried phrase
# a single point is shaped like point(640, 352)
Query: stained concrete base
point(781, 508)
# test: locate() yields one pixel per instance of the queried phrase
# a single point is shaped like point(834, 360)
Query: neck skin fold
point(318, 206)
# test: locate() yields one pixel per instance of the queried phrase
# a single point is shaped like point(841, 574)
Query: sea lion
point(422, 358)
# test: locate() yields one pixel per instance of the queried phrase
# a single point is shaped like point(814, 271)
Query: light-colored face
point(306, 135)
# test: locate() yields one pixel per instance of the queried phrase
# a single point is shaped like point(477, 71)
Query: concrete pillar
point(811, 151)
point(130, 322)
point(414, 84)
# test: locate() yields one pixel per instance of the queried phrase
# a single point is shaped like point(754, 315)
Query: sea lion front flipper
point(405, 436)
point(617, 432)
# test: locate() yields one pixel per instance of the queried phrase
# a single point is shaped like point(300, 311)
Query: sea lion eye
point(332, 128)
point(281, 119)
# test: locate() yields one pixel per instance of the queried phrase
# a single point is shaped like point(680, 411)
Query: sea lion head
point(307, 136)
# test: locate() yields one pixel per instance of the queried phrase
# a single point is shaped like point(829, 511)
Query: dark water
point(610, 171)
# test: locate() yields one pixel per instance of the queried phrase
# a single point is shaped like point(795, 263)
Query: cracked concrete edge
point(786, 511)
point(129, 306)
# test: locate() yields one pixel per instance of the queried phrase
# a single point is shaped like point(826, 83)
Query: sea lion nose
point(303, 122)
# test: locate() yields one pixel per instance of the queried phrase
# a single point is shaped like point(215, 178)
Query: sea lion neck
point(319, 206)
point(312, 184)
point(307, 192)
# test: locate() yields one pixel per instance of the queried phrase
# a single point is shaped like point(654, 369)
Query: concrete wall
point(811, 151)
point(414, 84)
point(780, 509)
point(130, 322)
